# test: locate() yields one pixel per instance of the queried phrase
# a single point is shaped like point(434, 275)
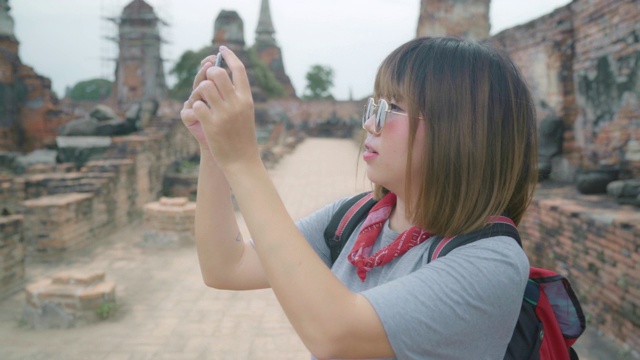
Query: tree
point(319, 82)
point(264, 77)
point(91, 90)
point(187, 67)
point(185, 70)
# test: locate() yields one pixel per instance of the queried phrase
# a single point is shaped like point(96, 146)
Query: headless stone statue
point(550, 136)
point(101, 121)
point(625, 191)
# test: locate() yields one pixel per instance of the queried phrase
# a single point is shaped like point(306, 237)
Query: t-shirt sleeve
point(462, 306)
point(312, 228)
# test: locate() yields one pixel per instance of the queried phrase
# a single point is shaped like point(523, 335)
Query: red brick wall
point(607, 73)
point(596, 244)
point(583, 62)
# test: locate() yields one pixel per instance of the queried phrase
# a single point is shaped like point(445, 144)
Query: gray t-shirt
point(462, 306)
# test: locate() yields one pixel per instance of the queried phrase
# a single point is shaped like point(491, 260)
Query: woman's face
point(386, 153)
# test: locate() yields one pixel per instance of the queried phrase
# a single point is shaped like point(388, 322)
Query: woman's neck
point(398, 221)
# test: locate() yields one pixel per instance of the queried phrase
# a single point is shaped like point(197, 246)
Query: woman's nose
point(369, 123)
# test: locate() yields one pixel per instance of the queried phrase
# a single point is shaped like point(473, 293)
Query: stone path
point(166, 312)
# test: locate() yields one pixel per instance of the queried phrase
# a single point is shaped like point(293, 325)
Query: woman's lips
point(369, 153)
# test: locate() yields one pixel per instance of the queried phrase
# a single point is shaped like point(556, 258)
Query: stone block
point(68, 299)
point(169, 221)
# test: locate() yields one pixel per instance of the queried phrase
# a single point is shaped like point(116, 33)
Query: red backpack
point(551, 318)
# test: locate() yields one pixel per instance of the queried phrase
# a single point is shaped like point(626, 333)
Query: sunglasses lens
point(368, 111)
point(381, 115)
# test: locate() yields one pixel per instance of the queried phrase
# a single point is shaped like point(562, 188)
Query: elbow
point(325, 343)
point(215, 282)
point(212, 283)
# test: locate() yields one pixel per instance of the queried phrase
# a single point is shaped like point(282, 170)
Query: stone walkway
point(166, 312)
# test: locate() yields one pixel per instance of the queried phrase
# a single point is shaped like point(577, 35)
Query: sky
point(65, 40)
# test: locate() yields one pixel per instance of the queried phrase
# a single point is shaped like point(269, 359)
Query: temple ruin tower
point(29, 111)
point(139, 68)
point(6, 26)
point(228, 30)
point(468, 19)
point(268, 50)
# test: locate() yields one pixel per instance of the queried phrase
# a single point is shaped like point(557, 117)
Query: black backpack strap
point(443, 245)
point(345, 221)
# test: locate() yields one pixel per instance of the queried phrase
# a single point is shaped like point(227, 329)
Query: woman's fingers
point(222, 82)
point(210, 58)
point(201, 75)
point(195, 96)
point(208, 90)
point(240, 79)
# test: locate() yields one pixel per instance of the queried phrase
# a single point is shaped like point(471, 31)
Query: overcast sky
point(64, 39)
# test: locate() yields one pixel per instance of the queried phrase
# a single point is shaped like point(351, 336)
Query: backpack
point(551, 318)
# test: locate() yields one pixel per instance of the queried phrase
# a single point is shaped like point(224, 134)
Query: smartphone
point(220, 61)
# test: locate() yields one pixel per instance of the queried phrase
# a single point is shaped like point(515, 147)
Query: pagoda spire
point(265, 31)
point(6, 21)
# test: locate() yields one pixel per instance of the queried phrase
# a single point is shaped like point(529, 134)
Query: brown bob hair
point(480, 153)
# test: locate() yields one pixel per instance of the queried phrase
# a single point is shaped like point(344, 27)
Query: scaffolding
point(133, 39)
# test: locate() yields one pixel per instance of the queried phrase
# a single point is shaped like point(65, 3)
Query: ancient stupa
point(139, 68)
point(268, 49)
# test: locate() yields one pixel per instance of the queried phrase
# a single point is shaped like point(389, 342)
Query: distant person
point(451, 144)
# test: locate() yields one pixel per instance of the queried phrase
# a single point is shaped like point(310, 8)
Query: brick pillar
point(69, 299)
point(11, 254)
point(170, 221)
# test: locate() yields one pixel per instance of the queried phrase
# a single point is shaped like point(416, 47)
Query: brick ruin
point(139, 69)
point(582, 63)
point(69, 299)
point(52, 209)
point(30, 113)
point(268, 50)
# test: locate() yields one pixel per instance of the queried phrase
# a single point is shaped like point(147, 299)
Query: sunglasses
point(382, 110)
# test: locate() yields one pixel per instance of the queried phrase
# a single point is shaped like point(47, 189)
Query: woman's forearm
point(318, 305)
point(218, 240)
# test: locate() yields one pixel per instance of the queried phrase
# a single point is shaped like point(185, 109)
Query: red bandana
point(378, 215)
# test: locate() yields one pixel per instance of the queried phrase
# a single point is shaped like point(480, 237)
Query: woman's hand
point(224, 109)
point(186, 114)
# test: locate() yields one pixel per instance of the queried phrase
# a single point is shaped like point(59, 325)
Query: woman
point(451, 142)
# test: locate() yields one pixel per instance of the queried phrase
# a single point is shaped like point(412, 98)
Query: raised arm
point(227, 261)
point(332, 321)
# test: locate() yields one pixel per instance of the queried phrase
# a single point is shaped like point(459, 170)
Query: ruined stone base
point(169, 222)
point(69, 299)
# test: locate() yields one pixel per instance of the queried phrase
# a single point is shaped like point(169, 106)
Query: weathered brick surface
point(50, 168)
point(11, 254)
point(583, 61)
point(544, 52)
point(463, 18)
point(596, 244)
point(11, 194)
point(122, 196)
point(58, 223)
point(606, 67)
point(118, 187)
